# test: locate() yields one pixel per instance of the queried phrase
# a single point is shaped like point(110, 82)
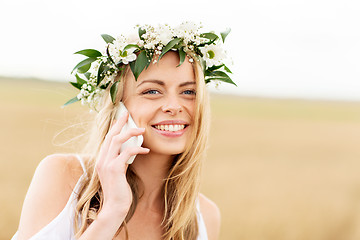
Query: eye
point(151, 91)
point(189, 92)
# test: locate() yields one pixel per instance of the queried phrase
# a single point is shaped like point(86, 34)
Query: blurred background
point(283, 160)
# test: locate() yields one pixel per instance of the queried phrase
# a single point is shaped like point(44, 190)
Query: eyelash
point(192, 92)
point(150, 90)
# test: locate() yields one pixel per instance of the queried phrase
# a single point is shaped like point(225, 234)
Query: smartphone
point(133, 141)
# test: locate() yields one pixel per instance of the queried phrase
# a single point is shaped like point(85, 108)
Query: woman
point(97, 195)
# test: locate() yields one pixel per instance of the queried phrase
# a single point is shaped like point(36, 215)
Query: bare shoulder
point(212, 217)
point(51, 186)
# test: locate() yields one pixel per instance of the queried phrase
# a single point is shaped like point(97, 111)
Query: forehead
point(168, 71)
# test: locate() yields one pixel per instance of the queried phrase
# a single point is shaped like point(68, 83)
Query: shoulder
point(212, 217)
point(51, 186)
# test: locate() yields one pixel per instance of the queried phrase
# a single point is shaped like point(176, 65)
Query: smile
point(170, 127)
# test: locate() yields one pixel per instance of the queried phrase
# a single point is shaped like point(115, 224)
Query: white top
point(61, 227)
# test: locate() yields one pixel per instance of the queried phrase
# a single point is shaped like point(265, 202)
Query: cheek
point(142, 114)
point(190, 109)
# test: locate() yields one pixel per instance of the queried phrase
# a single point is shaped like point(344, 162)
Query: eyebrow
point(163, 84)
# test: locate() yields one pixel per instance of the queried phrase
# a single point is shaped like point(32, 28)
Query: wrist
point(112, 212)
point(105, 225)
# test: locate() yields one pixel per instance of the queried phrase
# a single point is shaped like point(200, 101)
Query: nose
point(172, 106)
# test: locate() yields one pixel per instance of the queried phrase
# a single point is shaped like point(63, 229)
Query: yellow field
point(278, 169)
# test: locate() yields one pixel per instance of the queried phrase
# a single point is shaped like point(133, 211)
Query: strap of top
point(81, 162)
point(201, 224)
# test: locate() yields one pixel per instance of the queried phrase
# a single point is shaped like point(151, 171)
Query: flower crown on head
point(149, 45)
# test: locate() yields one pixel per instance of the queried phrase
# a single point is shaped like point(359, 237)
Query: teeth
point(170, 128)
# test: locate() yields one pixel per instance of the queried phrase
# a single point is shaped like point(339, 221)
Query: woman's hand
point(111, 167)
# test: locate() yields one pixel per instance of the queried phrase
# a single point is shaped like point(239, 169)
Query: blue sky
point(282, 48)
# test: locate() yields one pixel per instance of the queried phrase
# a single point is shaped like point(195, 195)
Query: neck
point(152, 169)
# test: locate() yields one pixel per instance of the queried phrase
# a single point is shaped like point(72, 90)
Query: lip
point(171, 122)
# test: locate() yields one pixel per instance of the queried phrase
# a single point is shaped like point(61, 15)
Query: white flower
point(165, 34)
point(109, 78)
point(150, 45)
point(133, 38)
point(116, 50)
point(128, 56)
point(188, 31)
point(213, 55)
point(187, 27)
point(140, 43)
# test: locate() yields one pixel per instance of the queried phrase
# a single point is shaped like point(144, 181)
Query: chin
point(165, 149)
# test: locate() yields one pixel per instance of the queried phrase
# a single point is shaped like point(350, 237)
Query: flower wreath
point(100, 69)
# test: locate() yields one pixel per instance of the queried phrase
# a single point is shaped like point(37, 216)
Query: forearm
point(104, 226)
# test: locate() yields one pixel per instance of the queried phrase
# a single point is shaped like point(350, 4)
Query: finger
point(131, 151)
point(118, 125)
point(118, 140)
point(119, 164)
point(114, 130)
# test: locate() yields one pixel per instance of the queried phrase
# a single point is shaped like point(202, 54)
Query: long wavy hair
point(181, 187)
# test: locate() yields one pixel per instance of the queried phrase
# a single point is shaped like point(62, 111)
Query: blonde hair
point(181, 187)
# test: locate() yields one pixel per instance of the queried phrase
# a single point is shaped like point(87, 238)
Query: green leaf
point(138, 66)
point(73, 100)
point(210, 69)
point(113, 91)
point(80, 80)
point(105, 85)
point(141, 32)
point(132, 66)
point(109, 56)
point(83, 63)
point(77, 85)
point(84, 68)
point(169, 46)
point(224, 34)
point(131, 46)
point(227, 69)
point(213, 68)
point(218, 75)
point(210, 36)
point(107, 38)
point(92, 53)
point(102, 69)
point(87, 75)
point(182, 56)
point(149, 59)
point(223, 79)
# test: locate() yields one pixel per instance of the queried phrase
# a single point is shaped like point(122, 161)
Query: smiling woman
point(96, 194)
